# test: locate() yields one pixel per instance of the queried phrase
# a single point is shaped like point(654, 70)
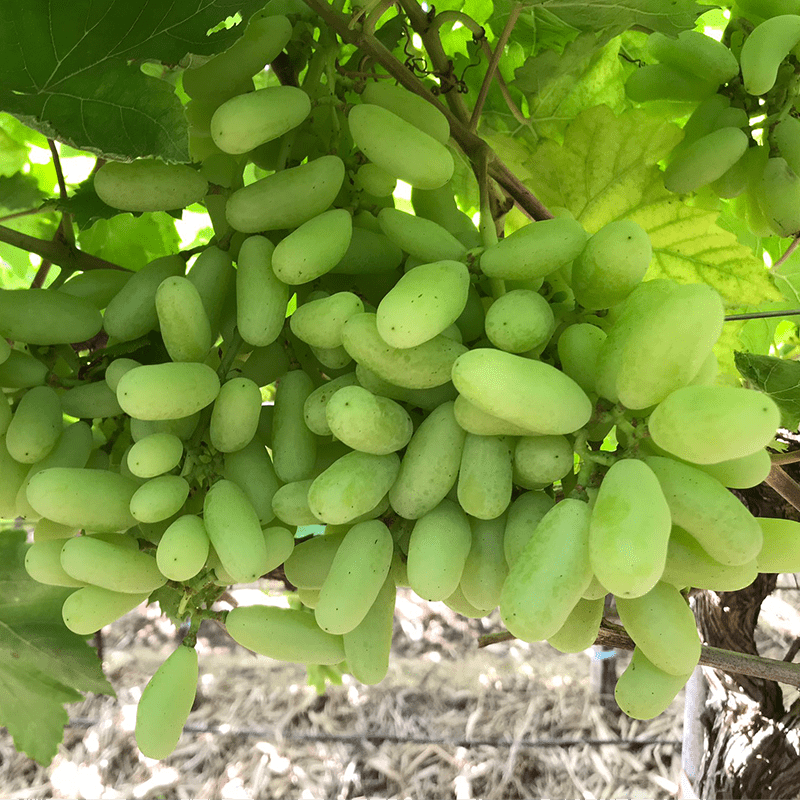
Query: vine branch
point(785, 486)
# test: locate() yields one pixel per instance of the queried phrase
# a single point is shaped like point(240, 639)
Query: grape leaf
point(19, 192)
point(43, 665)
point(66, 69)
point(85, 206)
point(779, 378)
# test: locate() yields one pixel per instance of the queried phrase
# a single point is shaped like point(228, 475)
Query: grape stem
point(785, 486)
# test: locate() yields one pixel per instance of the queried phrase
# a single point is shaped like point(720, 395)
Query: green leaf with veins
point(66, 69)
point(779, 378)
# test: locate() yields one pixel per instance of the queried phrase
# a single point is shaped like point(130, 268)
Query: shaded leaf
point(19, 192)
point(85, 206)
point(779, 378)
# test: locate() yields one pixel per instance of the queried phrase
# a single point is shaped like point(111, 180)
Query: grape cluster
point(742, 138)
point(439, 407)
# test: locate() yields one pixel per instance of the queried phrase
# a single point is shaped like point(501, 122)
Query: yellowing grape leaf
point(607, 169)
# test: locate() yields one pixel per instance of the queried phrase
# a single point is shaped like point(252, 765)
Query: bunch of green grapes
point(742, 138)
point(437, 406)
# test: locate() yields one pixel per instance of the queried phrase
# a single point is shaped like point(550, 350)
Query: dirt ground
point(450, 721)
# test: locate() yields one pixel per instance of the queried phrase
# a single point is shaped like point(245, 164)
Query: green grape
point(290, 503)
point(12, 477)
point(535, 250)
point(485, 476)
point(308, 597)
point(310, 561)
point(367, 646)
point(166, 702)
point(781, 548)
point(183, 549)
point(91, 608)
point(264, 365)
point(167, 391)
point(439, 206)
point(524, 514)
point(320, 322)
point(314, 248)
point(437, 551)
point(21, 371)
point(98, 286)
point(261, 298)
point(159, 498)
point(611, 265)
point(369, 252)
point(36, 425)
point(400, 148)
point(704, 508)
point(423, 303)
point(778, 195)
point(280, 544)
point(40, 316)
point(421, 238)
point(422, 366)
point(748, 206)
point(316, 404)
point(474, 420)
point(287, 198)
point(740, 473)
point(154, 455)
point(366, 422)
point(248, 120)
point(116, 369)
point(5, 413)
point(110, 566)
point(132, 311)
point(234, 418)
point(765, 49)
point(550, 574)
point(284, 634)
point(294, 446)
point(427, 399)
point(644, 691)
point(458, 603)
point(595, 591)
point(374, 180)
point(528, 393)
point(689, 565)
point(430, 465)
point(352, 486)
point(485, 569)
point(5, 350)
point(579, 348)
point(182, 320)
point(356, 575)
point(182, 427)
point(786, 135)
point(581, 627)
point(411, 107)
point(709, 424)
point(769, 8)
point(663, 626)
point(212, 273)
point(705, 160)
point(46, 530)
point(90, 401)
point(69, 495)
point(519, 321)
point(43, 564)
point(696, 53)
point(665, 82)
point(148, 185)
point(629, 529)
point(235, 532)
point(333, 358)
point(541, 460)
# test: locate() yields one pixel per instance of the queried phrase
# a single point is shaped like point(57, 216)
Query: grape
point(430, 465)
point(351, 486)
point(333, 358)
point(368, 645)
point(400, 148)
point(550, 574)
point(705, 160)
point(611, 265)
point(366, 422)
point(110, 566)
point(422, 238)
point(132, 311)
point(702, 506)
point(415, 110)
point(43, 564)
point(541, 460)
point(528, 393)
point(781, 548)
point(21, 371)
point(308, 597)
point(581, 627)
point(768, 8)
point(154, 455)
point(91, 608)
point(159, 498)
point(294, 446)
point(765, 48)
point(689, 565)
point(524, 514)
point(354, 580)
point(264, 365)
point(629, 530)
point(369, 252)
point(290, 503)
point(211, 274)
point(427, 399)
point(644, 691)
point(97, 286)
point(116, 369)
point(595, 591)
point(182, 320)
point(439, 206)
point(709, 424)
point(47, 530)
point(320, 322)
point(36, 425)
point(183, 549)
point(778, 195)
point(423, 366)
point(310, 561)
point(519, 321)
point(166, 702)
point(786, 135)
point(437, 551)
point(473, 420)
point(252, 471)
point(235, 532)
point(316, 404)
point(664, 82)
point(374, 180)
point(234, 418)
point(485, 476)
point(535, 250)
point(696, 53)
point(280, 544)
point(167, 391)
point(284, 634)
point(12, 476)
point(458, 603)
point(663, 626)
point(5, 350)
point(90, 401)
point(148, 185)
point(39, 316)
point(69, 496)
point(183, 427)
point(485, 569)
point(288, 198)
